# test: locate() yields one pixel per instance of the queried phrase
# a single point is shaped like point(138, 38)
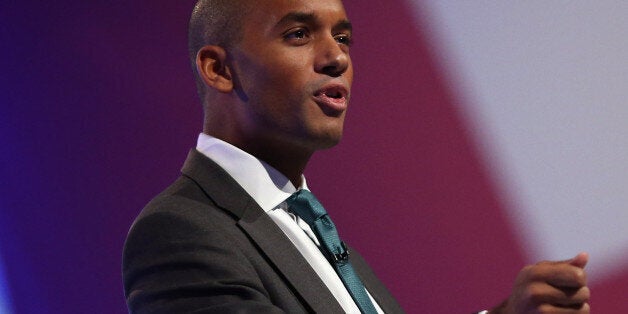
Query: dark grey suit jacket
point(205, 246)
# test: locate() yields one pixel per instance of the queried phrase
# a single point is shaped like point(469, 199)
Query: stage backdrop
point(481, 136)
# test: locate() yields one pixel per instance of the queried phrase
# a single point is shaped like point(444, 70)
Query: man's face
point(293, 71)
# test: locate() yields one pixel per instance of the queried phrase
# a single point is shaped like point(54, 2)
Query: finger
point(540, 293)
point(560, 275)
point(568, 278)
point(548, 308)
point(580, 260)
point(573, 297)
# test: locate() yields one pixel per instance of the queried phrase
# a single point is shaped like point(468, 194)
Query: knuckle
point(539, 272)
point(581, 276)
point(534, 293)
point(529, 270)
point(545, 309)
point(524, 275)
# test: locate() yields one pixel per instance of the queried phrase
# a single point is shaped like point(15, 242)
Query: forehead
point(267, 13)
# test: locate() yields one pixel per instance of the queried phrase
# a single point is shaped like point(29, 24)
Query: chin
point(314, 139)
point(329, 136)
point(327, 142)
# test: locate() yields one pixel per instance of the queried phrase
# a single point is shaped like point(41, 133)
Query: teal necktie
point(305, 205)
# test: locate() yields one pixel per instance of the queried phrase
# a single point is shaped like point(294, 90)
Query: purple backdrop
point(98, 111)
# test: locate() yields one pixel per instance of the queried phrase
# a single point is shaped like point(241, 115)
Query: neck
point(290, 163)
point(287, 157)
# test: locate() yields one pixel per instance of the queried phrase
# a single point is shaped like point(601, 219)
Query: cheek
point(289, 74)
point(277, 83)
point(287, 84)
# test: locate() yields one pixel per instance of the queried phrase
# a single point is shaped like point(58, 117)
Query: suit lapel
point(289, 261)
point(262, 230)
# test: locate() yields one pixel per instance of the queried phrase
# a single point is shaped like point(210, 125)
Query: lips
point(333, 98)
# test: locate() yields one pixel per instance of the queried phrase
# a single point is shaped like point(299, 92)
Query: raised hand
point(550, 287)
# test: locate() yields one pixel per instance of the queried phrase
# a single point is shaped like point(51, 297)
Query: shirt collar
point(266, 185)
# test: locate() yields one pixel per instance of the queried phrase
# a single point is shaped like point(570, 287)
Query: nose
point(332, 58)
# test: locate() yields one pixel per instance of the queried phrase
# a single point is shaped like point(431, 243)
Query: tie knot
point(306, 206)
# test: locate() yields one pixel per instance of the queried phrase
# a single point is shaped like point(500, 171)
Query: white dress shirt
point(269, 188)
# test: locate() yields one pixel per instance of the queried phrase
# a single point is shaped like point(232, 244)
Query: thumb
point(580, 260)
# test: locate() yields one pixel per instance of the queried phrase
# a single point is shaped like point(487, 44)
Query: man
point(274, 78)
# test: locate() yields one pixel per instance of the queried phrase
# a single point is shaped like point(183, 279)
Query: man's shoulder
point(183, 199)
point(181, 213)
point(203, 197)
point(182, 193)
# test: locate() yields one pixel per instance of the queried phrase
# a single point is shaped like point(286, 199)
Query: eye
point(344, 39)
point(297, 36)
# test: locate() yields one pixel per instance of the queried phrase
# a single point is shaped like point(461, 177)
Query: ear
point(211, 67)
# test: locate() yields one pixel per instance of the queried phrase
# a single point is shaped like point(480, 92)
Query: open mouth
point(334, 91)
point(333, 99)
point(333, 94)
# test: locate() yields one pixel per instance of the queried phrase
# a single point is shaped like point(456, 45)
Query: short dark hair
point(214, 22)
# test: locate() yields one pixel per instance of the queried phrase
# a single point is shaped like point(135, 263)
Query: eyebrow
point(343, 25)
point(311, 18)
